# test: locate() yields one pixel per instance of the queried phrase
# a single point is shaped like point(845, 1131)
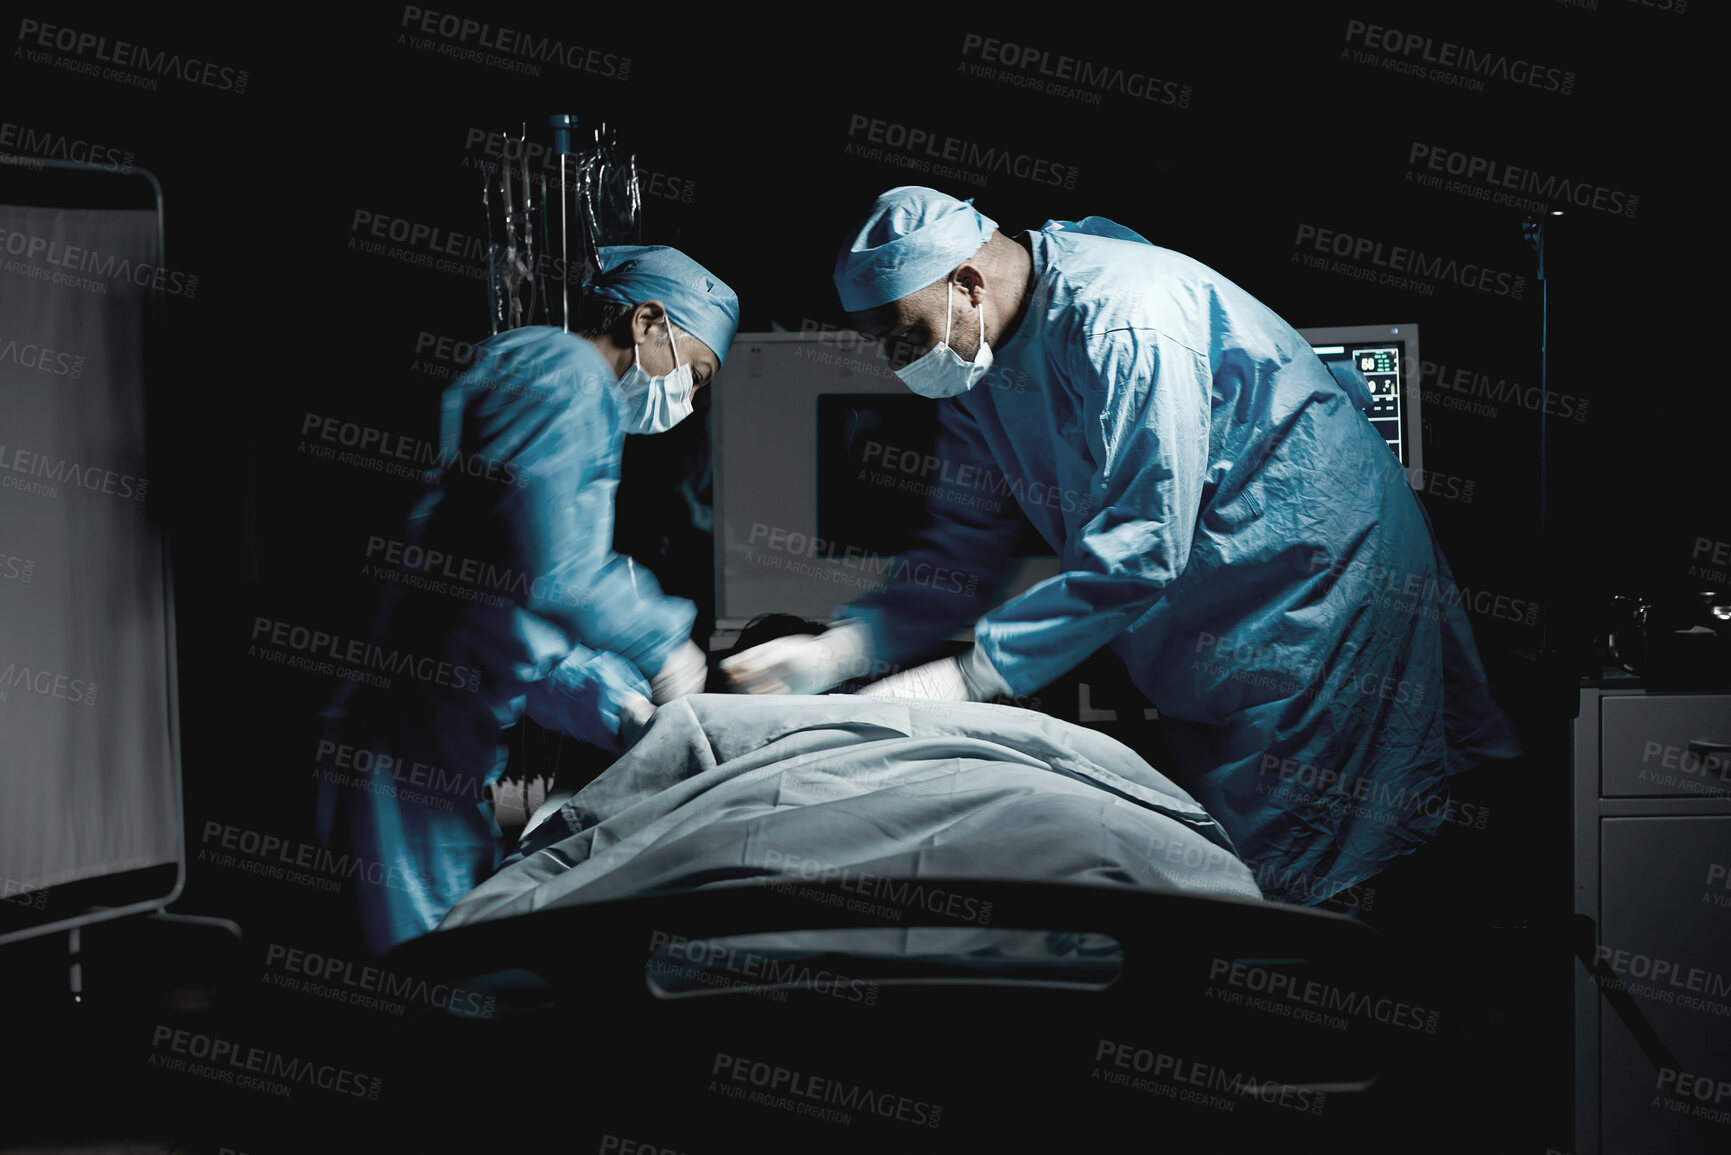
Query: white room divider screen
point(89, 762)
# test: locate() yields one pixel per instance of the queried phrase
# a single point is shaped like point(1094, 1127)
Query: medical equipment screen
point(1383, 367)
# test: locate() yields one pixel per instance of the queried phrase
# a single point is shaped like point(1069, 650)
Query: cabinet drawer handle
point(1715, 756)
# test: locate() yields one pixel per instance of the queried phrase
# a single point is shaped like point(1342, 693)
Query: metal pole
point(562, 124)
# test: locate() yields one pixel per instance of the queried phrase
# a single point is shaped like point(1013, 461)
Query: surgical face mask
point(941, 373)
point(656, 404)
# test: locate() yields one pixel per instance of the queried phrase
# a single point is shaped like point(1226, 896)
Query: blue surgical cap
point(913, 237)
point(696, 300)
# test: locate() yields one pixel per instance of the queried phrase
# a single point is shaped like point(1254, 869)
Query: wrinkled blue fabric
point(534, 604)
point(1239, 534)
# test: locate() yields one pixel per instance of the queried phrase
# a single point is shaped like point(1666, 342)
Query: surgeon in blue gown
point(508, 598)
point(1226, 519)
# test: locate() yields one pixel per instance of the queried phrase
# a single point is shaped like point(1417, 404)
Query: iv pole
point(562, 124)
point(1557, 668)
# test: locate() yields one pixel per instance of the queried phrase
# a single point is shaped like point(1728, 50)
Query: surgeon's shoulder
point(1120, 256)
point(1162, 292)
point(533, 342)
point(535, 363)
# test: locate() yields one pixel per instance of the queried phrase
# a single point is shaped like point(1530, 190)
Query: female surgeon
point(509, 598)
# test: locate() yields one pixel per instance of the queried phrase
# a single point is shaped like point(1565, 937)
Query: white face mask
point(656, 404)
point(941, 372)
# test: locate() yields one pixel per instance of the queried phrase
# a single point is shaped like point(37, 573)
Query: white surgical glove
point(685, 672)
point(802, 663)
point(635, 713)
point(969, 678)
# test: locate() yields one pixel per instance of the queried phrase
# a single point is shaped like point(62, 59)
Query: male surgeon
point(1226, 520)
point(536, 614)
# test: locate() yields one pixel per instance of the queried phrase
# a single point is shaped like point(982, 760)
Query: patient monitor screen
point(1383, 366)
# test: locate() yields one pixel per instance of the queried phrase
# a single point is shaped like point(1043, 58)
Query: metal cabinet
point(1653, 875)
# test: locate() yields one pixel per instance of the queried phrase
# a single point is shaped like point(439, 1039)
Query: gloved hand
point(969, 678)
point(685, 672)
point(635, 713)
point(802, 663)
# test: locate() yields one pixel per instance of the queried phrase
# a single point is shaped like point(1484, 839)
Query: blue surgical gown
point(507, 598)
point(1231, 524)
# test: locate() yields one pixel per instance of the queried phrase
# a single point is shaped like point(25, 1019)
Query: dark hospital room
point(654, 584)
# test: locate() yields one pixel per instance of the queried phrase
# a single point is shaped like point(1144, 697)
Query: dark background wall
point(1294, 148)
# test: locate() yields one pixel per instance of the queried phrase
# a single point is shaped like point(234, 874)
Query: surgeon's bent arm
point(585, 696)
point(562, 437)
point(622, 609)
point(625, 611)
point(1146, 403)
point(961, 559)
